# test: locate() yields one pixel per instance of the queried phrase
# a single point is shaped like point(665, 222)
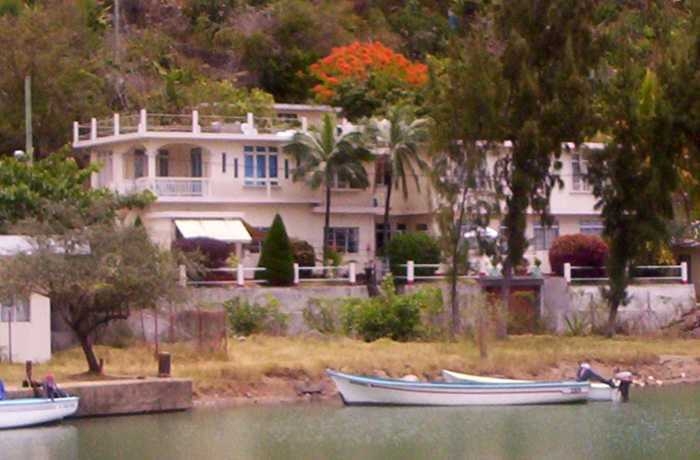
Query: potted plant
point(537, 269)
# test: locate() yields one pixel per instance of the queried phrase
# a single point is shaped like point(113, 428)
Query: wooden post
point(156, 338)
point(9, 332)
point(172, 324)
point(30, 381)
point(199, 325)
point(164, 365)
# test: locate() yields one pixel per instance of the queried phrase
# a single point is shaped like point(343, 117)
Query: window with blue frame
point(261, 167)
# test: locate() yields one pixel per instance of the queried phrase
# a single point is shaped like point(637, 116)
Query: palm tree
point(325, 156)
point(400, 136)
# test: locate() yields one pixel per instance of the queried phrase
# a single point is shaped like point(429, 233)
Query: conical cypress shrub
point(277, 257)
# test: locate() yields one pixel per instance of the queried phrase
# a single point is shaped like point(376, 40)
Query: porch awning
point(230, 230)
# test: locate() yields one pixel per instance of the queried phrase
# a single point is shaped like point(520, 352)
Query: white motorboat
point(598, 392)
point(16, 413)
point(361, 390)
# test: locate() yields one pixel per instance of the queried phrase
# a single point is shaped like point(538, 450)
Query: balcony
point(170, 186)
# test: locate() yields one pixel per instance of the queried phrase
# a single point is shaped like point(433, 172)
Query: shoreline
point(282, 391)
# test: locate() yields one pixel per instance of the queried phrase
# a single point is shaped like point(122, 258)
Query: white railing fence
point(640, 272)
point(337, 273)
point(240, 280)
point(145, 122)
point(439, 273)
point(343, 273)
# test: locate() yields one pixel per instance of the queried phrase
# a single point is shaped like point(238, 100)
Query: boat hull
point(357, 390)
point(598, 391)
point(16, 413)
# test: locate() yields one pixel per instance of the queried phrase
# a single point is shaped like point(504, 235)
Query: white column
point(118, 169)
point(76, 132)
point(151, 155)
point(304, 124)
point(196, 129)
point(567, 272)
point(94, 177)
point(142, 121)
point(116, 124)
point(353, 273)
point(410, 272)
point(240, 275)
point(296, 273)
point(250, 120)
point(684, 272)
point(93, 129)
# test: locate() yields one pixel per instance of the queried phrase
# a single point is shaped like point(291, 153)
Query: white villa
point(213, 173)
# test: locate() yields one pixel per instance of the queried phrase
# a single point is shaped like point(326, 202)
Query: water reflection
point(657, 424)
point(50, 442)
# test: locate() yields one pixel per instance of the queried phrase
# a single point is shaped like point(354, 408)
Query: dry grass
point(261, 357)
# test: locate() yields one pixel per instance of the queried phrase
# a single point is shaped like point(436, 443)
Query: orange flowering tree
point(362, 77)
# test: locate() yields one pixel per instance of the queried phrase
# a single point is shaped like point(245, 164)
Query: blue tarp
point(2, 390)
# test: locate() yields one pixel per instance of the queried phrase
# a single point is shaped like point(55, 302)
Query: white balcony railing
point(172, 186)
point(191, 123)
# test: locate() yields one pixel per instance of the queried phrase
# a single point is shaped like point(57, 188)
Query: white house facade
point(209, 169)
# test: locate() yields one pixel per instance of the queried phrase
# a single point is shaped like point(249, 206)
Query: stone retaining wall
point(123, 397)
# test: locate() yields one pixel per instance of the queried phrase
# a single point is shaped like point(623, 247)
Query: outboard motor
point(625, 379)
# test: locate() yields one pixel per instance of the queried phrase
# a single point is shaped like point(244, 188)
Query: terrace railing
point(192, 123)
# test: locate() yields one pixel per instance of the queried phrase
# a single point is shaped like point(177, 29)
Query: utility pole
point(29, 147)
point(117, 57)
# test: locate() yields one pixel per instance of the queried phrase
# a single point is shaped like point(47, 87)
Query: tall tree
point(326, 157)
point(399, 136)
point(549, 53)
point(465, 97)
point(635, 177)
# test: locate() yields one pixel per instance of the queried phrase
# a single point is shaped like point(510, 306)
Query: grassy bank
point(260, 361)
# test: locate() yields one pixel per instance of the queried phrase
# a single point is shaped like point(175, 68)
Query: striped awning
point(229, 230)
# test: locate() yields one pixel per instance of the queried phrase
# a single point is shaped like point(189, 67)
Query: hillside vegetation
point(241, 54)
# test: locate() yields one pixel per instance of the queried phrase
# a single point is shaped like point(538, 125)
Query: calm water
point(658, 423)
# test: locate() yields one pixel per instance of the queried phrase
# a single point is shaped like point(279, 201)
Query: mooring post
point(164, 365)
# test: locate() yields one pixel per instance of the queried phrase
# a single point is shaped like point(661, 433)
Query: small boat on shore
point(598, 391)
point(16, 413)
point(362, 390)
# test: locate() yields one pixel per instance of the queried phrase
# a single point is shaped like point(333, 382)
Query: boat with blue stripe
point(365, 390)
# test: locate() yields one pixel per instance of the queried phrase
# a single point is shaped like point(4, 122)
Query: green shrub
point(397, 317)
point(418, 247)
point(276, 257)
point(246, 318)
